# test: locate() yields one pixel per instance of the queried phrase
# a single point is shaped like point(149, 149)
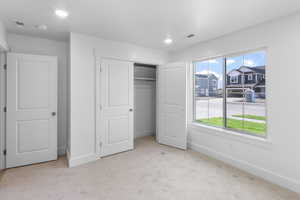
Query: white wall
point(39, 46)
point(3, 42)
point(276, 159)
point(82, 87)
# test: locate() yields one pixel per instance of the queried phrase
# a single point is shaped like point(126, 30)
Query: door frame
point(98, 133)
point(2, 106)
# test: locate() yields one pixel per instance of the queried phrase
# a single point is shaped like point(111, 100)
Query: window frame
point(224, 96)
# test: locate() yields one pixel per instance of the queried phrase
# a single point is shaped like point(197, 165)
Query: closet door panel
point(172, 94)
point(116, 115)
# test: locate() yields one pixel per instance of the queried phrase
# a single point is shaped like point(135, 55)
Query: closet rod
point(144, 65)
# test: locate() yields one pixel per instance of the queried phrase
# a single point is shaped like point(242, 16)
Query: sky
point(215, 66)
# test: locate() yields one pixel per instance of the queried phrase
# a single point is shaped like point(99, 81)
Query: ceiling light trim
point(61, 13)
point(168, 41)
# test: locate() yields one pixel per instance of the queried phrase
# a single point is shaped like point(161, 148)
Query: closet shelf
point(144, 79)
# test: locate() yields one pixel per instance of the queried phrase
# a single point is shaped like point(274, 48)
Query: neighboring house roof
point(234, 72)
point(259, 69)
point(201, 76)
point(206, 76)
point(241, 69)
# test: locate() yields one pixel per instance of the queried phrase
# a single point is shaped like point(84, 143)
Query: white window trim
point(265, 143)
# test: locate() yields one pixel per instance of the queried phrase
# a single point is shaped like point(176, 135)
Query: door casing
point(2, 106)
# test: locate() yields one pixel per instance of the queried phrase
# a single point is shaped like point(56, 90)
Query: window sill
point(231, 135)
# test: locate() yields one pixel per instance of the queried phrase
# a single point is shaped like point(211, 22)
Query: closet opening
point(144, 100)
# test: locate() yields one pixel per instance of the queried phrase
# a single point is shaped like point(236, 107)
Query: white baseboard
point(68, 155)
point(80, 160)
point(270, 176)
point(143, 134)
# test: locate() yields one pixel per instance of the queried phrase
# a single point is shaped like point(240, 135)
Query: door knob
point(53, 113)
point(130, 110)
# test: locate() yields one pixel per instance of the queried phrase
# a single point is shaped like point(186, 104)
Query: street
point(213, 107)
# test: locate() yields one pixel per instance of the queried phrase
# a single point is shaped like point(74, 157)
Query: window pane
point(254, 106)
point(200, 90)
point(245, 88)
point(234, 93)
point(209, 92)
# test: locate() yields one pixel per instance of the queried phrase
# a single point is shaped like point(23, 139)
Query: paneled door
point(116, 106)
point(31, 135)
point(171, 112)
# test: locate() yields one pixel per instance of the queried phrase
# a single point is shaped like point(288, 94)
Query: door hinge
point(100, 107)
point(5, 66)
point(4, 109)
point(100, 69)
point(100, 144)
point(4, 152)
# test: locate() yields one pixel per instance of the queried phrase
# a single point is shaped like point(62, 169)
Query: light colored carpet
point(150, 172)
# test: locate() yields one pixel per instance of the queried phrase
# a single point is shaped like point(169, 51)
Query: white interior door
point(171, 112)
point(31, 135)
point(116, 115)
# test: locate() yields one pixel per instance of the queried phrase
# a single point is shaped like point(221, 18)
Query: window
point(230, 101)
point(250, 77)
point(234, 79)
point(214, 83)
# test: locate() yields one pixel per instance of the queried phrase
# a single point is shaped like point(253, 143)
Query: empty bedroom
point(149, 100)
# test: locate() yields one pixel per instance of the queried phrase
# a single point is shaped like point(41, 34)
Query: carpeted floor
point(150, 172)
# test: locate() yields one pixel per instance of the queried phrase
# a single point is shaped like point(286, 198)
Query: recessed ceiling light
point(41, 27)
point(168, 41)
point(61, 13)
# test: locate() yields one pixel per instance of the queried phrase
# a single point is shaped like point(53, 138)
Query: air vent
point(19, 23)
point(190, 35)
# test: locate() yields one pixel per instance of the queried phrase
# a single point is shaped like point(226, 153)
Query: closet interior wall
point(144, 100)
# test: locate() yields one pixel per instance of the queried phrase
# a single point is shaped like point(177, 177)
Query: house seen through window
point(230, 92)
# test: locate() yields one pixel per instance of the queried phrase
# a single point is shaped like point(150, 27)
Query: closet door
point(171, 116)
point(116, 115)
